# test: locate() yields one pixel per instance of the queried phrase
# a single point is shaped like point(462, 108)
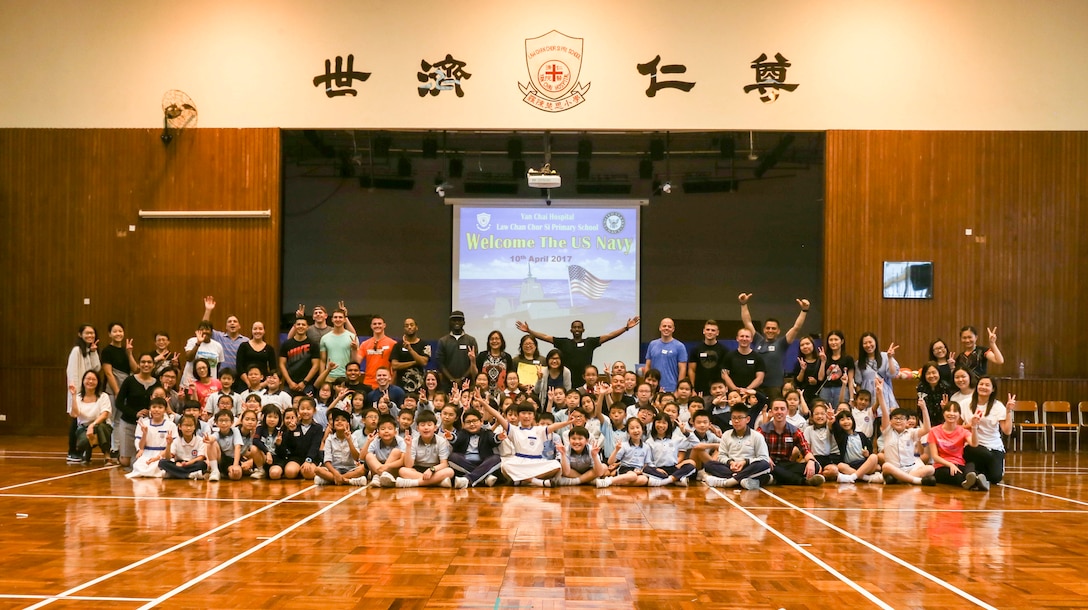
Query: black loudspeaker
point(582, 173)
point(727, 147)
point(585, 149)
point(404, 167)
point(382, 145)
point(457, 168)
point(645, 169)
point(657, 150)
point(513, 148)
point(430, 148)
point(517, 168)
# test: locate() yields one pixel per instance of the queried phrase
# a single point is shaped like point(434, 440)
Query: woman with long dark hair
point(990, 418)
point(82, 358)
point(839, 375)
point(873, 363)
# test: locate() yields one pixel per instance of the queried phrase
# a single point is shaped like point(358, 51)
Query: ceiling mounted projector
point(546, 178)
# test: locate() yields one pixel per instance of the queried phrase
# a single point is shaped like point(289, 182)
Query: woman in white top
point(90, 409)
point(82, 358)
point(965, 392)
point(990, 418)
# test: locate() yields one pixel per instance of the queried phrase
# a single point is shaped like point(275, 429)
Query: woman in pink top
point(949, 440)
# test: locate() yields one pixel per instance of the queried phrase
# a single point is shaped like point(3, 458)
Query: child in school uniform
point(368, 428)
point(307, 450)
point(383, 451)
point(265, 438)
point(212, 403)
point(341, 464)
point(668, 453)
point(821, 442)
point(581, 463)
point(900, 464)
point(449, 423)
point(743, 458)
point(186, 457)
point(406, 423)
point(426, 459)
point(284, 445)
point(153, 436)
point(473, 450)
point(858, 459)
point(702, 443)
point(527, 441)
point(630, 460)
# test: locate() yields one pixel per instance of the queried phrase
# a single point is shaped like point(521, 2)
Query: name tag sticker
point(702, 354)
point(465, 347)
point(751, 361)
point(580, 344)
point(770, 348)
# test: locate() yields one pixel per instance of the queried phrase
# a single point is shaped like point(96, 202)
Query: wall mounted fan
point(178, 112)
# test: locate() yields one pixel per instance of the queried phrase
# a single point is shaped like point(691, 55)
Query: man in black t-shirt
point(743, 369)
point(300, 359)
point(577, 352)
point(410, 356)
point(706, 360)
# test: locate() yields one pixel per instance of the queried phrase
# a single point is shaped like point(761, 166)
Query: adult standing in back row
point(771, 345)
point(577, 352)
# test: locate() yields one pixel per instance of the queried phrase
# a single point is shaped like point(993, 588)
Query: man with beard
point(410, 358)
point(771, 345)
point(457, 352)
point(706, 359)
point(230, 340)
point(577, 352)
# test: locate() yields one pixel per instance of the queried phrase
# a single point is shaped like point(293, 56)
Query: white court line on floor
point(1039, 493)
point(63, 476)
point(814, 559)
point(233, 560)
point(78, 598)
point(90, 583)
point(906, 564)
point(166, 498)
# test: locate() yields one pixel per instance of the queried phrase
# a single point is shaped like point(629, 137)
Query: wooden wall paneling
point(68, 199)
point(911, 195)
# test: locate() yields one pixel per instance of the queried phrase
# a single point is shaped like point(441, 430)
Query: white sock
point(403, 482)
point(569, 481)
point(714, 481)
point(916, 480)
point(847, 478)
point(656, 482)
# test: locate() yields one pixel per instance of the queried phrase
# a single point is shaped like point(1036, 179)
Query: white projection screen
point(548, 266)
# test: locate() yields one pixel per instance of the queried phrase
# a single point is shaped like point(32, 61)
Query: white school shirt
point(187, 451)
point(899, 447)
point(864, 420)
point(527, 442)
point(156, 433)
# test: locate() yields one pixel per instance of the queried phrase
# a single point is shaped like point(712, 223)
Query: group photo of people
point(338, 408)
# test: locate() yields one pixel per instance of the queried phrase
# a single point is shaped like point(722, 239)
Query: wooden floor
point(87, 537)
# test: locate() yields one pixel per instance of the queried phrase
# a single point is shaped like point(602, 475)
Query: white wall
point(893, 64)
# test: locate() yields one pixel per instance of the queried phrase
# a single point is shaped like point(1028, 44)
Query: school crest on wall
point(554, 61)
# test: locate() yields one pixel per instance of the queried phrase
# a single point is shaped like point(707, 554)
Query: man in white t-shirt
point(202, 346)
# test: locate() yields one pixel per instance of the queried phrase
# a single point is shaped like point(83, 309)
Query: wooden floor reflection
point(88, 537)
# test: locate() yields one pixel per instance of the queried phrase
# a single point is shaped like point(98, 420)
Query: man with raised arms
point(577, 351)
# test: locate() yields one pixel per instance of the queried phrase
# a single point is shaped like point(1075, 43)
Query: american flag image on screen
point(584, 282)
